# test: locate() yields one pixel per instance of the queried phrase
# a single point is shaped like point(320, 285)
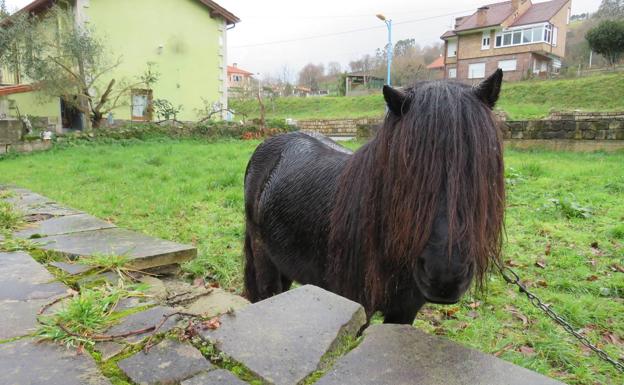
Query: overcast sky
point(278, 33)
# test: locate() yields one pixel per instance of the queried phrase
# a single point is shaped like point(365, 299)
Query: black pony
point(410, 217)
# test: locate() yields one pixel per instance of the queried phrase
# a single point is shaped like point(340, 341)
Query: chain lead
point(511, 277)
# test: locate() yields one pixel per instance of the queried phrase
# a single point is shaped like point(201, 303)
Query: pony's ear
point(489, 89)
point(396, 100)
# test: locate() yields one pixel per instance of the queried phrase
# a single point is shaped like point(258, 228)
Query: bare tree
point(311, 75)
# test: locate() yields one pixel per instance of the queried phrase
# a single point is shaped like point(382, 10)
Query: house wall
point(560, 21)
point(191, 62)
point(470, 47)
point(37, 104)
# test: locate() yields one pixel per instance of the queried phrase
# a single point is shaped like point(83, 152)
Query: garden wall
point(575, 131)
point(12, 138)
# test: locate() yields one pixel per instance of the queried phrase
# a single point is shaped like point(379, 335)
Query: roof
point(215, 9)
point(236, 70)
point(496, 13)
point(15, 89)
point(448, 34)
point(437, 63)
point(363, 73)
point(540, 12)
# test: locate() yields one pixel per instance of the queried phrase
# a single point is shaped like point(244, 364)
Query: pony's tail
point(251, 288)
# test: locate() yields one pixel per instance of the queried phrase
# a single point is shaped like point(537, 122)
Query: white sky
point(265, 21)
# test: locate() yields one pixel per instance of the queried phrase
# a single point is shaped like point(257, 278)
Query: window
point(508, 65)
point(141, 105)
point(485, 40)
point(476, 71)
point(534, 34)
point(452, 73)
point(237, 78)
point(452, 48)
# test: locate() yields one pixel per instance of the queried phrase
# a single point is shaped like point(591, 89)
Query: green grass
point(193, 193)
point(520, 100)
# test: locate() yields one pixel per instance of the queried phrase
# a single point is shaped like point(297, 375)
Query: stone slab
point(215, 377)
point(19, 318)
point(63, 225)
point(143, 251)
point(217, 302)
point(282, 339)
point(22, 278)
point(71, 268)
point(30, 203)
point(402, 355)
point(26, 362)
point(169, 362)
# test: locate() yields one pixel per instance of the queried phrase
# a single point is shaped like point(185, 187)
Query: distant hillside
point(520, 100)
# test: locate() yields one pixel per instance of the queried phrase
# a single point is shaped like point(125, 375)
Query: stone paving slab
point(142, 250)
point(25, 287)
point(26, 362)
point(30, 203)
point(217, 302)
point(19, 318)
point(137, 321)
point(71, 268)
point(169, 362)
point(22, 278)
point(282, 339)
point(63, 225)
point(402, 355)
point(215, 377)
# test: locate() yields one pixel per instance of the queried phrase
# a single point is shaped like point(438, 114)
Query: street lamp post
point(389, 50)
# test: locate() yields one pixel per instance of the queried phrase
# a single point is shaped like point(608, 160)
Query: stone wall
point(361, 128)
point(609, 126)
point(10, 131)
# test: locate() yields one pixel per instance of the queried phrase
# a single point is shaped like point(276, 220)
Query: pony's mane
point(446, 144)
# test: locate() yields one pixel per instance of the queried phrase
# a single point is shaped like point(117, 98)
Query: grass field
point(564, 224)
point(520, 100)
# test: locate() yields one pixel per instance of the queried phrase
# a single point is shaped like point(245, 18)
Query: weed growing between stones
point(10, 219)
point(83, 319)
point(222, 361)
point(9, 244)
point(344, 345)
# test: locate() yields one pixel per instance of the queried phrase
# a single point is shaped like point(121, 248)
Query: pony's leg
point(251, 288)
point(403, 307)
point(268, 277)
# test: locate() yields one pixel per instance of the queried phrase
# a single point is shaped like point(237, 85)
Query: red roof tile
point(494, 15)
point(437, 63)
point(236, 70)
point(540, 12)
point(15, 89)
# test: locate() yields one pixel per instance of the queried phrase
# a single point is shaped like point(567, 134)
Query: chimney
point(482, 16)
point(235, 65)
point(515, 4)
point(458, 21)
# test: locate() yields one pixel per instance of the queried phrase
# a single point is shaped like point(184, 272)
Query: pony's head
point(443, 191)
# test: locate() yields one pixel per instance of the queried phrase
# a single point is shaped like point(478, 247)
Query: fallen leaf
point(518, 314)
point(215, 285)
point(617, 267)
point(540, 263)
point(199, 282)
point(462, 325)
point(592, 278)
point(526, 350)
point(512, 263)
point(474, 305)
point(503, 350)
point(547, 249)
point(592, 262)
point(213, 323)
point(473, 314)
point(450, 312)
point(612, 339)
point(541, 283)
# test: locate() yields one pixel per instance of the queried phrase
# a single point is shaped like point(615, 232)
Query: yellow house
point(520, 37)
point(185, 39)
